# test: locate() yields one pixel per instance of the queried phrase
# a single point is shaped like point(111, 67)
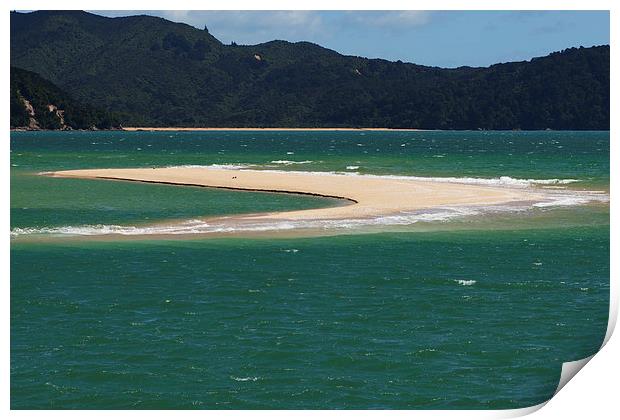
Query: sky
point(434, 38)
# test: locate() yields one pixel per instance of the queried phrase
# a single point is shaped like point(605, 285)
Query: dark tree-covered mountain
point(37, 103)
point(159, 73)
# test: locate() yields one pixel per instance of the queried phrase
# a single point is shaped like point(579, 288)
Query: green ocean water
point(473, 312)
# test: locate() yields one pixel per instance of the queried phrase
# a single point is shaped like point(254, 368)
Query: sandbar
point(363, 196)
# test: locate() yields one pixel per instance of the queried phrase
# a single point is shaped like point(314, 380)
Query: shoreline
point(149, 129)
point(363, 197)
point(266, 129)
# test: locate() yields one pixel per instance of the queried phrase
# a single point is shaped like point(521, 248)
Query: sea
point(455, 308)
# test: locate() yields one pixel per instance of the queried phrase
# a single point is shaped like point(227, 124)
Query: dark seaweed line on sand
point(226, 188)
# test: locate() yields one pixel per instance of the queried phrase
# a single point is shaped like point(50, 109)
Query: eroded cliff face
point(60, 114)
point(32, 122)
point(38, 104)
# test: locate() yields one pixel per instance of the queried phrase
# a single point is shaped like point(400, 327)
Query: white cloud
point(256, 26)
point(253, 26)
point(176, 15)
point(391, 19)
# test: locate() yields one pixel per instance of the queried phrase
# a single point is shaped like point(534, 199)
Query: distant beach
point(264, 129)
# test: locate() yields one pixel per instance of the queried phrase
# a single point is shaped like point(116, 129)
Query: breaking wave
point(466, 282)
point(214, 166)
point(502, 181)
point(291, 162)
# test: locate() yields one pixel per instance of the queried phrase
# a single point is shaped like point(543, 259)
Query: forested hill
point(159, 73)
point(37, 103)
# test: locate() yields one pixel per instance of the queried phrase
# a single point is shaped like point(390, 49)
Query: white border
point(591, 394)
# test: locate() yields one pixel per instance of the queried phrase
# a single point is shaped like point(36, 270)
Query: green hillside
point(159, 73)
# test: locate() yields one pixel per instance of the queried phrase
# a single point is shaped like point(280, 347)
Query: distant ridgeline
point(154, 72)
point(37, 103)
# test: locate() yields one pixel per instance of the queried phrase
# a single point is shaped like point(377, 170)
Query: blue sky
point(436, 38)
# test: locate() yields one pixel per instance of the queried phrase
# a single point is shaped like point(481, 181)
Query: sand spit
point(366, 196)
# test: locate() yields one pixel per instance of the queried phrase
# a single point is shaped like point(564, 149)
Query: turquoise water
point(478, 312)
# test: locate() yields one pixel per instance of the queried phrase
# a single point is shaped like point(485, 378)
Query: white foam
point(224, 225)
point(291, 162)
point(502, 181)
point(466, 282)
point(215, 166)
point(190, 226)
point(197, 226)
point(563, 201)
point(571, 198)
point(249, 378)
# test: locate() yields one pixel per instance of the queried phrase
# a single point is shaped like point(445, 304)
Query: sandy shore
point(261, 129)
point(366, 196)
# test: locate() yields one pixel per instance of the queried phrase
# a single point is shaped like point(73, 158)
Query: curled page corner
point(569, 370)
point(518, 412)
point(613, 316)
